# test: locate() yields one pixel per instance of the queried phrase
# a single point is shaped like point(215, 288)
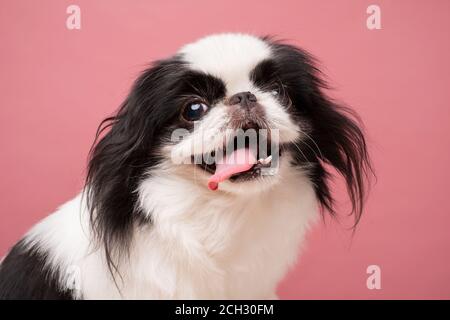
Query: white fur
point(237, 242)
point(227, 56)
point(202, 245)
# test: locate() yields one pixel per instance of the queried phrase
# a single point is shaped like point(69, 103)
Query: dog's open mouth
point(238, 161)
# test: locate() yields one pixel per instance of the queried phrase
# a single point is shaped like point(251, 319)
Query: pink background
point(57, 84)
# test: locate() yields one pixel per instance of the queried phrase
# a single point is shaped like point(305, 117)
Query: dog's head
point(226, 111)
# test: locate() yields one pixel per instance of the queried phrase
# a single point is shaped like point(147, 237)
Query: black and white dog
point(164, 216)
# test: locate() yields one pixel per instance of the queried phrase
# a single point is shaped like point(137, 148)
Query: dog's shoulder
point(24, 274)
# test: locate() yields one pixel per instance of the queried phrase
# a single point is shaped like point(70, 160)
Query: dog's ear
point(337, 131)
point(341, 141)
point(334, 131)
point(121, 154)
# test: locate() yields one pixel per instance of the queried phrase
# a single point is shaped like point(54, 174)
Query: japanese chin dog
point(202, 185)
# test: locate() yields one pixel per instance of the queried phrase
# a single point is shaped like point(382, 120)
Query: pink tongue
point(238, 161)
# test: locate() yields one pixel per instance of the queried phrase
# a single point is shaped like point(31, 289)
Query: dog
point(178, 202)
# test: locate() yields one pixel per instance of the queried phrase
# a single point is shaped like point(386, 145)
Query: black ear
point(122, 156)
point(333, 131)
point(336, 130)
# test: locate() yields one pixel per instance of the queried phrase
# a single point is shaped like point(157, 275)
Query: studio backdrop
point(66, 65)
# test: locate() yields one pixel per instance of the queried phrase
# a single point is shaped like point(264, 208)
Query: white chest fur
point(201, 244)
point(216, 245)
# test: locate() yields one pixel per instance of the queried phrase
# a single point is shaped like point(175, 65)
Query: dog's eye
point(194, 111)
point(276, 90)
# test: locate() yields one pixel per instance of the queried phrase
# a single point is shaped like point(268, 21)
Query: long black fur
point(333, 133)
point(24, 275)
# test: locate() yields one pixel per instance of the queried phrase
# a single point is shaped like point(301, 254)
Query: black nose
point(245, 99)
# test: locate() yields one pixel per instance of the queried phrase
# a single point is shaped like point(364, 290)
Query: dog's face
point(186, 116)
point(236, 113)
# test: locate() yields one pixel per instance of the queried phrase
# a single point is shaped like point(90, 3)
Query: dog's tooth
point(266, 160)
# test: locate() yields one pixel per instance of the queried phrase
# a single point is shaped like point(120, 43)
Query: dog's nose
point(246, 99)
